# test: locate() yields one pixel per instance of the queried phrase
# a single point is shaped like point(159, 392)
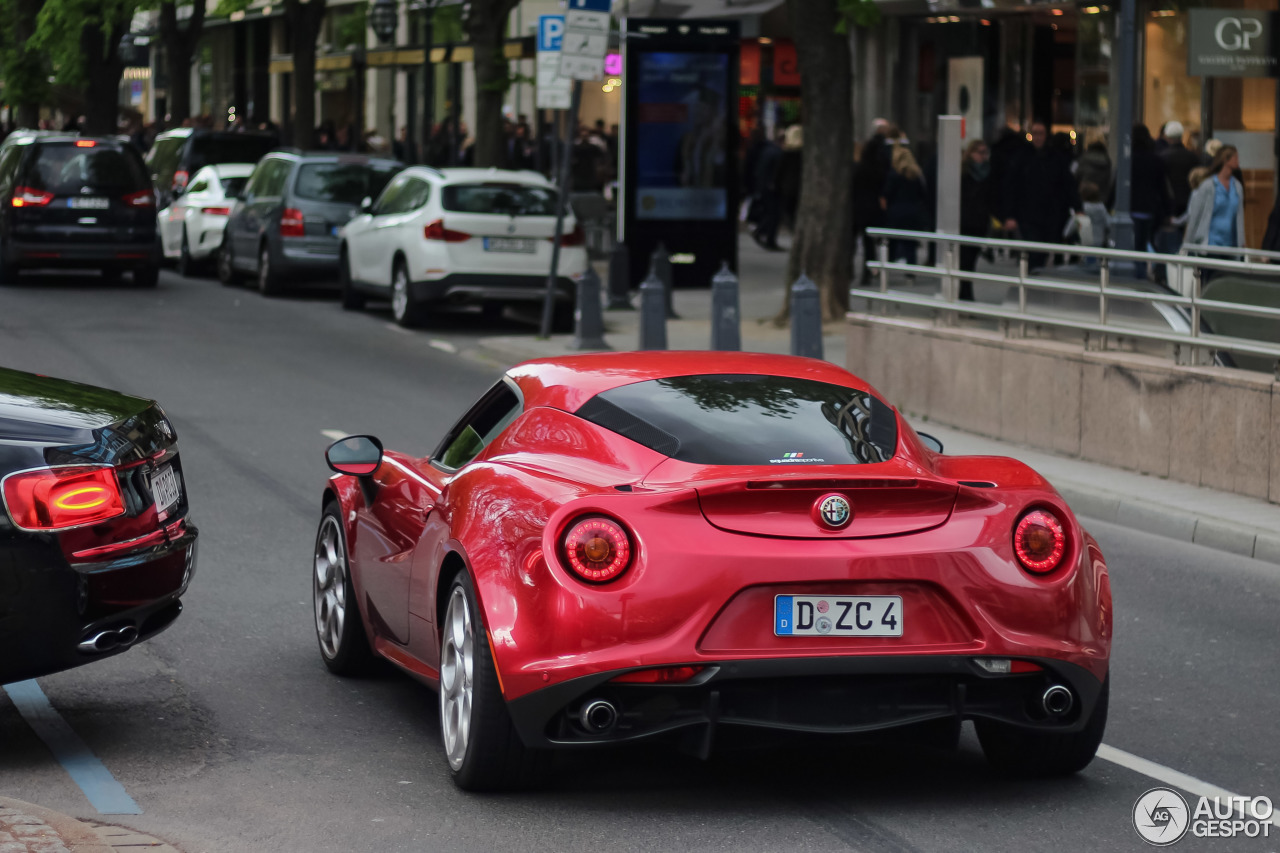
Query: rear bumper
point(52, 606)
point(481, 287)
point(310, 262)
point(819, 695)
point(72, 255)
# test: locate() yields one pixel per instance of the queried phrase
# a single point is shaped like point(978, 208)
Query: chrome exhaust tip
point(127, 636)
point(598, 716)
point(1057, 701)
point(111, 639)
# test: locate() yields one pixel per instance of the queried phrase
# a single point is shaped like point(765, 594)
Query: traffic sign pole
point(566, 164)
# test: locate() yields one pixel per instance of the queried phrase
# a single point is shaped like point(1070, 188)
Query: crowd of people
point(1034, 186)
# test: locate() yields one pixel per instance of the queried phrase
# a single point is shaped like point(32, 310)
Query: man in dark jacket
point(1039, 194)
point(767, 166)
point(1178, 163)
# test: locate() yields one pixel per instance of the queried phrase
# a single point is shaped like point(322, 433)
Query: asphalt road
point(231, 735)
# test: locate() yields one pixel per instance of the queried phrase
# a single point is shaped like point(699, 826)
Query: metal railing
point(1192, 344)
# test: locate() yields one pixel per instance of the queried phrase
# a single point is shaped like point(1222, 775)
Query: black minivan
point(176, 155)
point(76, 202)
point(284, 227)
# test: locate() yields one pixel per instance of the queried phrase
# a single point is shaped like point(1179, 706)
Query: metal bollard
point(660, 265)
point(806, 318)
point(619, 279)
point(588, 319)
point(726, 332)
point(653, 313)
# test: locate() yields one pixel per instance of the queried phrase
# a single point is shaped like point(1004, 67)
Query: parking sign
point(586, 39)
point(553, 91)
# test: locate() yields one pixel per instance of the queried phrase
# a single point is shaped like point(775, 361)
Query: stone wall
point(1208, 426)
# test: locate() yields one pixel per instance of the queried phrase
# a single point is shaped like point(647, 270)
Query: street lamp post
point(384, 17)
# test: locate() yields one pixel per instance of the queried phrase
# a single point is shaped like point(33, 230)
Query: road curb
point(1208, 531)
point(28, 828)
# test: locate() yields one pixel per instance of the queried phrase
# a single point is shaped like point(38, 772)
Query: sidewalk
point(1224, 522)
point(25, 828)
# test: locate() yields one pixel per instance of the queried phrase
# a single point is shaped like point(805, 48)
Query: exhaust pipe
point(598, 716)
point(1057, 701)
point(109, 640)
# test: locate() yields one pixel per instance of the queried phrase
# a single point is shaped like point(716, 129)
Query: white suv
point(480, 236)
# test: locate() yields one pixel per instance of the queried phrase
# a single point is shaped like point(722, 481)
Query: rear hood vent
point(879, 506)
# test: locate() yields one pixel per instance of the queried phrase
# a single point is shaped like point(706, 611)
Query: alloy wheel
point(329, 587)
point(399, 292)
point(457, 677)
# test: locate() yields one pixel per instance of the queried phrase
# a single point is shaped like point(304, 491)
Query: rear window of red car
point(749, 420)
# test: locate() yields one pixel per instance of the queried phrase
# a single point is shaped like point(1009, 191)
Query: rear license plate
point(88, 203)
point(165, 488)
point(837, 615)
point(520, 245)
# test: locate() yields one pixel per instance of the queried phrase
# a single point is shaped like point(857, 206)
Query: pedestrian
point(586, 161)
point(1039, 194)
point(975, 207)
point(1150, 200)
point(1007, 148)
point(868, 180)
point(1178, 162)
point(769, 205)
point(1094, 165)
point(789, 174)
point(1215, 214)
point(903, 201)
point(1271, 241)
point(1096, 212)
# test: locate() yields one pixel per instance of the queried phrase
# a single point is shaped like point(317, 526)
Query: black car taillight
point(142, 198)
point(51, 499)
point(28, 197)
point(292, 224)
point(1039, 541)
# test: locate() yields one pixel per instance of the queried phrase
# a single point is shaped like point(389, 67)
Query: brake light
point(28, 197)
point(597, 549)
point(62, 498)
point(85, 143)
point(437, 231)
point(576, 237)
point(180, 179)
point(216, 211)
point(142, 198)
point(291, 223)
point(662, 675)
point(1039, 541)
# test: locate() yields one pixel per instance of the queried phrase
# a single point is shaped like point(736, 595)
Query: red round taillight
point(1039, 541)
point(597, 549)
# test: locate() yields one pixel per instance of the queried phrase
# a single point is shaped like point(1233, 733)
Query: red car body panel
point(713, 545)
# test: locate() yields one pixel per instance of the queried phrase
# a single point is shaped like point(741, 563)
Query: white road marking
point(1177, 779)
point(396, 327)
point(443, 346)
point(334, 434)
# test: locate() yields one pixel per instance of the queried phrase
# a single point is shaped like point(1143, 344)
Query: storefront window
point(1168, 93)
point(1094, 33)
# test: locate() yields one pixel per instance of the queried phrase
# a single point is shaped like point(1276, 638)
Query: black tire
point(268, 282)
point(494, 757)
point(406, 310)
point(146, 277)
point(8, 271)
point(111, 276)
point(227, 273)
point(186, 264)
point(344, 648)
point(352, 300)
point(1022, 752)
point(492, 312)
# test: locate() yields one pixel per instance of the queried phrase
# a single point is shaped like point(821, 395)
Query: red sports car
point(612, 547)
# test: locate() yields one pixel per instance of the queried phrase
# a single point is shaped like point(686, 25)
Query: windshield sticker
point(794, 459)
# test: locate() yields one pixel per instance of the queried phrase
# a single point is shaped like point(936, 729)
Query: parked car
point(178, 154)
point(96, 542)
point(481, 236)
point(76, 202)
point(285, 226)
point(614, 547)
point(191, 228)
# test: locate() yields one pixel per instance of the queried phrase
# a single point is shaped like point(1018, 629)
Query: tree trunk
point(821, 246)
point(304, 21)
point(103, 68)
point(30, 66)
point(179, 49)
point(487, 31)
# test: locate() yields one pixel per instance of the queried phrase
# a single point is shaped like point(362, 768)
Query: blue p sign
point(550, 32)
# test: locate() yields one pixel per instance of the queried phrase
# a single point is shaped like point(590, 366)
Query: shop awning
point(699, 8)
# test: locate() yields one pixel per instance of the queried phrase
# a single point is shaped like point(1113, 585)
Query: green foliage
point(60, 24)
point(23, 71)
point(447, 25)
point(502, 84)
point(860, 13)
point(349, 25)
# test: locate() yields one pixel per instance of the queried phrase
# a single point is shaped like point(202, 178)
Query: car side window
point(9, 163)
point(258, 179)
point(389, 201)
point(199, 187)
point(416, 195)
point(487, 419)
point(276, 179)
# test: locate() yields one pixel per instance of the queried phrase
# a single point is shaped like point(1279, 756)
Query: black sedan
point(96, 547)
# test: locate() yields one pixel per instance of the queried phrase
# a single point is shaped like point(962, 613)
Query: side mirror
point(930, 442)
point(366, 205)
point(357, 455)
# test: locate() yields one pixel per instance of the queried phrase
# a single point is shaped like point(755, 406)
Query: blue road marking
point(782, 614)
point(101, 788)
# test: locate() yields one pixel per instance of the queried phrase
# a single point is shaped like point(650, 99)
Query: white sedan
point(479, 236)
point(191, 227)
